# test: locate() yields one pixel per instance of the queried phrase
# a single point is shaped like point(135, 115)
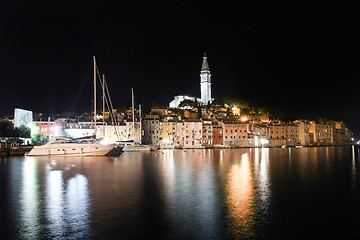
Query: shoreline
point(14, 151)
point(20, 151)
point(300, 146)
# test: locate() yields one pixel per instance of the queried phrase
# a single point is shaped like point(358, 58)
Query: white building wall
point(178, 99)
point(22, 117)
point(205, 93)
point(112, 133)
point(80, 132)
point(130, 133)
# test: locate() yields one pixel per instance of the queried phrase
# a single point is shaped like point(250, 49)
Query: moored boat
point(131, 145)
point(63, 146)
point(139, 147)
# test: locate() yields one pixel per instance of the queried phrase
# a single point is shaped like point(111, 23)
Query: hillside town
point(188, 122)
point(213, 127)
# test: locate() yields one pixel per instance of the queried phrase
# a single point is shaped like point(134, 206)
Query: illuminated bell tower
point(205, 83)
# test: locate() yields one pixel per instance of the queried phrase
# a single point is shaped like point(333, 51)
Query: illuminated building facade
point(278, 135)
point(293, 138)
point(323, 134)
point(218, 135)
point(237, 135)
point(207, 133)
point(303, 133)
point(193, 134)
point(166, 134)
point(179, 134)
point(341, 134)
point(22, 117)
point(49, 128)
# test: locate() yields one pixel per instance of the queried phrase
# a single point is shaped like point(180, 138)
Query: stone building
point(218, 135)
point(277, 135)
point(207, 130)
point(150, 126)
point(237, 135)
point(167, 134)
point(193, 134)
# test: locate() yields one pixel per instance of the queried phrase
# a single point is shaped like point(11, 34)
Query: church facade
point(205, 88)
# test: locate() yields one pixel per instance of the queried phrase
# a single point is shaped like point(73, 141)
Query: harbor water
point(258, 193)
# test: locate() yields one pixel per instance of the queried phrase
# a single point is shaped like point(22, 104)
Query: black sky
point(298, 57)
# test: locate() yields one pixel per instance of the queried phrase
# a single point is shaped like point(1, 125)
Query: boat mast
point(133, 115)
point(103, 89)
point(94, 95)
point(140, 120)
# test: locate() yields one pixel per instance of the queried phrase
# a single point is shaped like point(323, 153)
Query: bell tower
point(205, 82)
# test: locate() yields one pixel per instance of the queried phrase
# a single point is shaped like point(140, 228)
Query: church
point(205, 88)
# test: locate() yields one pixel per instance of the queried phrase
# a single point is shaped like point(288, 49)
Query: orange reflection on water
point(240, 198)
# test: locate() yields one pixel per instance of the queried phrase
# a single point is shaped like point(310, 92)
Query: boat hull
point(71, 150)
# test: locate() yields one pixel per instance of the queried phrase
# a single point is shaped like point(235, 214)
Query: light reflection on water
point(240, 197)
point(30, 201)
point(67, 202)
point(200, 194)
point(263, 182)
point(78, 207)
point(55, 204)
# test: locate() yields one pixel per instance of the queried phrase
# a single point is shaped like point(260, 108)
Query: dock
point(13, 150)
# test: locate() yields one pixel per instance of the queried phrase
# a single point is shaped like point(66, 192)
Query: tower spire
point(205, 65)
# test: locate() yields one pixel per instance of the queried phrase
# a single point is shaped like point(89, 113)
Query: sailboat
point(63, 146)
point(133, 146)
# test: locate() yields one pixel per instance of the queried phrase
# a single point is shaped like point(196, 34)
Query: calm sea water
point(295, 193)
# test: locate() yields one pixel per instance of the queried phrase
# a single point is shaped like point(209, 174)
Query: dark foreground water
point(305, 193)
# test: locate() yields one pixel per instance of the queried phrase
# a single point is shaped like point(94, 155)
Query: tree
point(38, 139)
point(6, 128)
point(64, 134)
point(231, 101)
point(22, 131)
point(187, 103)
point(217, 102)
point(180, 113)
point(261, 110)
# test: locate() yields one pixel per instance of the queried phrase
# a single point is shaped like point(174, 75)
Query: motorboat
point(135, 147)
point(64, 146)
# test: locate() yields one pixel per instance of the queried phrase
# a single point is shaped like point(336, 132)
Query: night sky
point(298, 57)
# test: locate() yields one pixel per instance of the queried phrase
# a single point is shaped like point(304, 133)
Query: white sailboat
point(137, 146)
point(63, 146)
